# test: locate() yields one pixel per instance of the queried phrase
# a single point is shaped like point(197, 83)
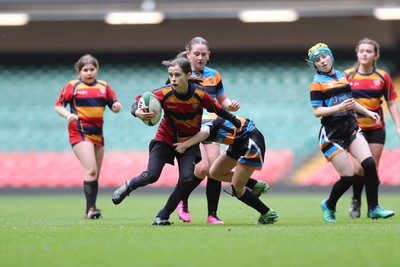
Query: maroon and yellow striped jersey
point(183, 113)
point(368, 90)
point(88, 103)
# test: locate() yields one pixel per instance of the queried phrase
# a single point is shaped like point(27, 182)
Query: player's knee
point(237, 191)
point(217, 174)
point(359, 171)
point(201, 172)
point(186, 179)
point(370, 171)
point(151, 178)
point(91, 171)
point(369, 165)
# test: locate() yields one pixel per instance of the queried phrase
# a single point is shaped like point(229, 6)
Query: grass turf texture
point(49, 230)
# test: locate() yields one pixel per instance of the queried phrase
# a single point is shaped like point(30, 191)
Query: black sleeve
point(230, 117)
point(134, 108)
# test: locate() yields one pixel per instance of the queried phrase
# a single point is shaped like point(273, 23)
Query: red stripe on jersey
point(368, 91)
point(182, 114)
point(88, 102)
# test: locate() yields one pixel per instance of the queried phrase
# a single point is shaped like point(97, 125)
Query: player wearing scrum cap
point(332, 101)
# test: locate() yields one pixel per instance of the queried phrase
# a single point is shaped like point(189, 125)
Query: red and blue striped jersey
point(88, 103)
point(368, 90)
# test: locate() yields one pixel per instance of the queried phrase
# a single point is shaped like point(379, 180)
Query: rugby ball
point(153, 104)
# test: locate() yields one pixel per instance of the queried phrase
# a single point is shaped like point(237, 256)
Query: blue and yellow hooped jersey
point(329, 91)
point(212, 82)
point(224, 132)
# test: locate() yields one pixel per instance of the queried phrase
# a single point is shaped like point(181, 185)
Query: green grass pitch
point(49, 230)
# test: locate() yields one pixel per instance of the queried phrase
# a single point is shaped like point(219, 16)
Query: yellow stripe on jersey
point(91, 112)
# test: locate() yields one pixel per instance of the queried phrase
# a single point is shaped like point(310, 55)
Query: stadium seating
point(273, 92)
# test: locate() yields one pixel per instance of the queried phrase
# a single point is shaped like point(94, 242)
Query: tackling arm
point(197, 138)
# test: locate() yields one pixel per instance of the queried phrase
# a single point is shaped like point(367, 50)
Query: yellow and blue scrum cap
point(318, 50)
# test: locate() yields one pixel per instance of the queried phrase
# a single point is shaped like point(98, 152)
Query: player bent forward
point(246, 149)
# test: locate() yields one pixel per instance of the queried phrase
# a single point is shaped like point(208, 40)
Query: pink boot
point(211, 219)
point(183, 213)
